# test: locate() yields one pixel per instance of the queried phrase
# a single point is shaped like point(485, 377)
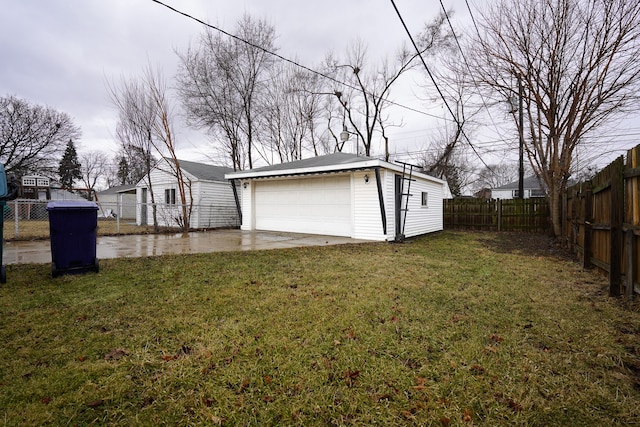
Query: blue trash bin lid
point(71, 205)
point(3, 182)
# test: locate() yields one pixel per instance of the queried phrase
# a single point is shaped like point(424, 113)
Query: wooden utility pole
point(521, 135)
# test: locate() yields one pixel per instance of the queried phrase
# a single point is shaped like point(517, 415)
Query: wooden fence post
point(587, 219)
point(617, 218)
point(632, 219)
point(631, 266)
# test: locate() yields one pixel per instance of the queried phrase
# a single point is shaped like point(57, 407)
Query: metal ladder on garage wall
point(404, 194)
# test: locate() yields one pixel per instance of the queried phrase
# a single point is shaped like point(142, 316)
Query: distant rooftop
point(118, 189)
point(529, 183)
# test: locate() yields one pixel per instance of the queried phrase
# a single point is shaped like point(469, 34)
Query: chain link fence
point(29, 219)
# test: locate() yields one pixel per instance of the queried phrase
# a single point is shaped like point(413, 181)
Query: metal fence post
point(118, 213)
point(16, 226)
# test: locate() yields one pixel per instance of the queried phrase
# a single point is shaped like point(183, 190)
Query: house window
point(425, 199)
point(170, 196)
point(538, 193)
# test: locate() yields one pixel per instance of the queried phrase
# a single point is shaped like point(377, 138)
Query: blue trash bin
point(73, 227)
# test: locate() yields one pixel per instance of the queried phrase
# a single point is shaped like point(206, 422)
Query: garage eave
point(367, 164)
point(324, 169)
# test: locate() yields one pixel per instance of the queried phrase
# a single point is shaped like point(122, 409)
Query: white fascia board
point(397, 168)
point(304, 171)
point(372, 163)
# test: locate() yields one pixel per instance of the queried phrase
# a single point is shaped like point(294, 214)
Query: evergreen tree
point(69, 169)
point(123, 171)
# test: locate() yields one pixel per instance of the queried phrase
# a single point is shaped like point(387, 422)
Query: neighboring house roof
point(204, 171)
point(529, 183)
point(335, 162)
point(117, 189)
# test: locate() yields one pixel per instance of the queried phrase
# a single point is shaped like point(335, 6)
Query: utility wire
point(424, 63)
point(290, 61)
point(464, 58)
point(472, 18)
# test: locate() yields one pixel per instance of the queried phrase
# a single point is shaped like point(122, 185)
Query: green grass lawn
point(449, 329)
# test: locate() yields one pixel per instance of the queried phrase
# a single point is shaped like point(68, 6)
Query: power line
point(472, 17)
point(424, 63)
point(290, 61)
point(464, 58)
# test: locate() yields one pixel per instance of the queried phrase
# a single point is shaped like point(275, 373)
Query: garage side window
point(425, 199)
point(170, 196)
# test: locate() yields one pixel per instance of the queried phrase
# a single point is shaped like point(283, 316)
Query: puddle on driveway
point(181, 243)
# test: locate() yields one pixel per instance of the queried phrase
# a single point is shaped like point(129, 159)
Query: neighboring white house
point(119, 200)
point(214, 204)
point(342, 195)
point(532, 189)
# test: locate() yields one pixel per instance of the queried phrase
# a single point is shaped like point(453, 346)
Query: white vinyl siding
point(367, 216)
point(246, 196)
point(216, 205)
point(420, 219)
point(502, 194)
point(213, 202)
point(390, 202)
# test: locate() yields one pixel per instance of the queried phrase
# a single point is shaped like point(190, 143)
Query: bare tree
point(221, 81)
point(450, 150)
point(496, 175)
point(448, 160)
point(292, 109)
point(579, 64)
point(94, 166)
point(164, 141)
point(127, 167)
point(146, 127)
point(365, 95)
point(33, 137)
point(134, 129)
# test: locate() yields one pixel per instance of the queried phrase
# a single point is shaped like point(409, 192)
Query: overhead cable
point(426, 67)
point(290, 61)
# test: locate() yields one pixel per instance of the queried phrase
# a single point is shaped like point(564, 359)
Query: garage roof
point(336, 162)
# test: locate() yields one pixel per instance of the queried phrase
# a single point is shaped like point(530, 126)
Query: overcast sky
point(61, 52)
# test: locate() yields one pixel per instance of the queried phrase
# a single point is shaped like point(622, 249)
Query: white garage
point(340, 195)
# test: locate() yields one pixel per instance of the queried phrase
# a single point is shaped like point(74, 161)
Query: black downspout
point(383, 213)
point(237, 199)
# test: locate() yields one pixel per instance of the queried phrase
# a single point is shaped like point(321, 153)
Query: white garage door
point(319, 205)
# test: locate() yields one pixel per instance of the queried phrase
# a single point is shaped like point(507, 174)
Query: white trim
point(365, 164)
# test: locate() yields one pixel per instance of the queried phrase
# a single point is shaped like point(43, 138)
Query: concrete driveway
point(39, 252)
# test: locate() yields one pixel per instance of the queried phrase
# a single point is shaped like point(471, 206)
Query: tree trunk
point(555, 207)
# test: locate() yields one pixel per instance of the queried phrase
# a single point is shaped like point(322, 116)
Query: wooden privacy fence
point(531, 215)
point(601, 222)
